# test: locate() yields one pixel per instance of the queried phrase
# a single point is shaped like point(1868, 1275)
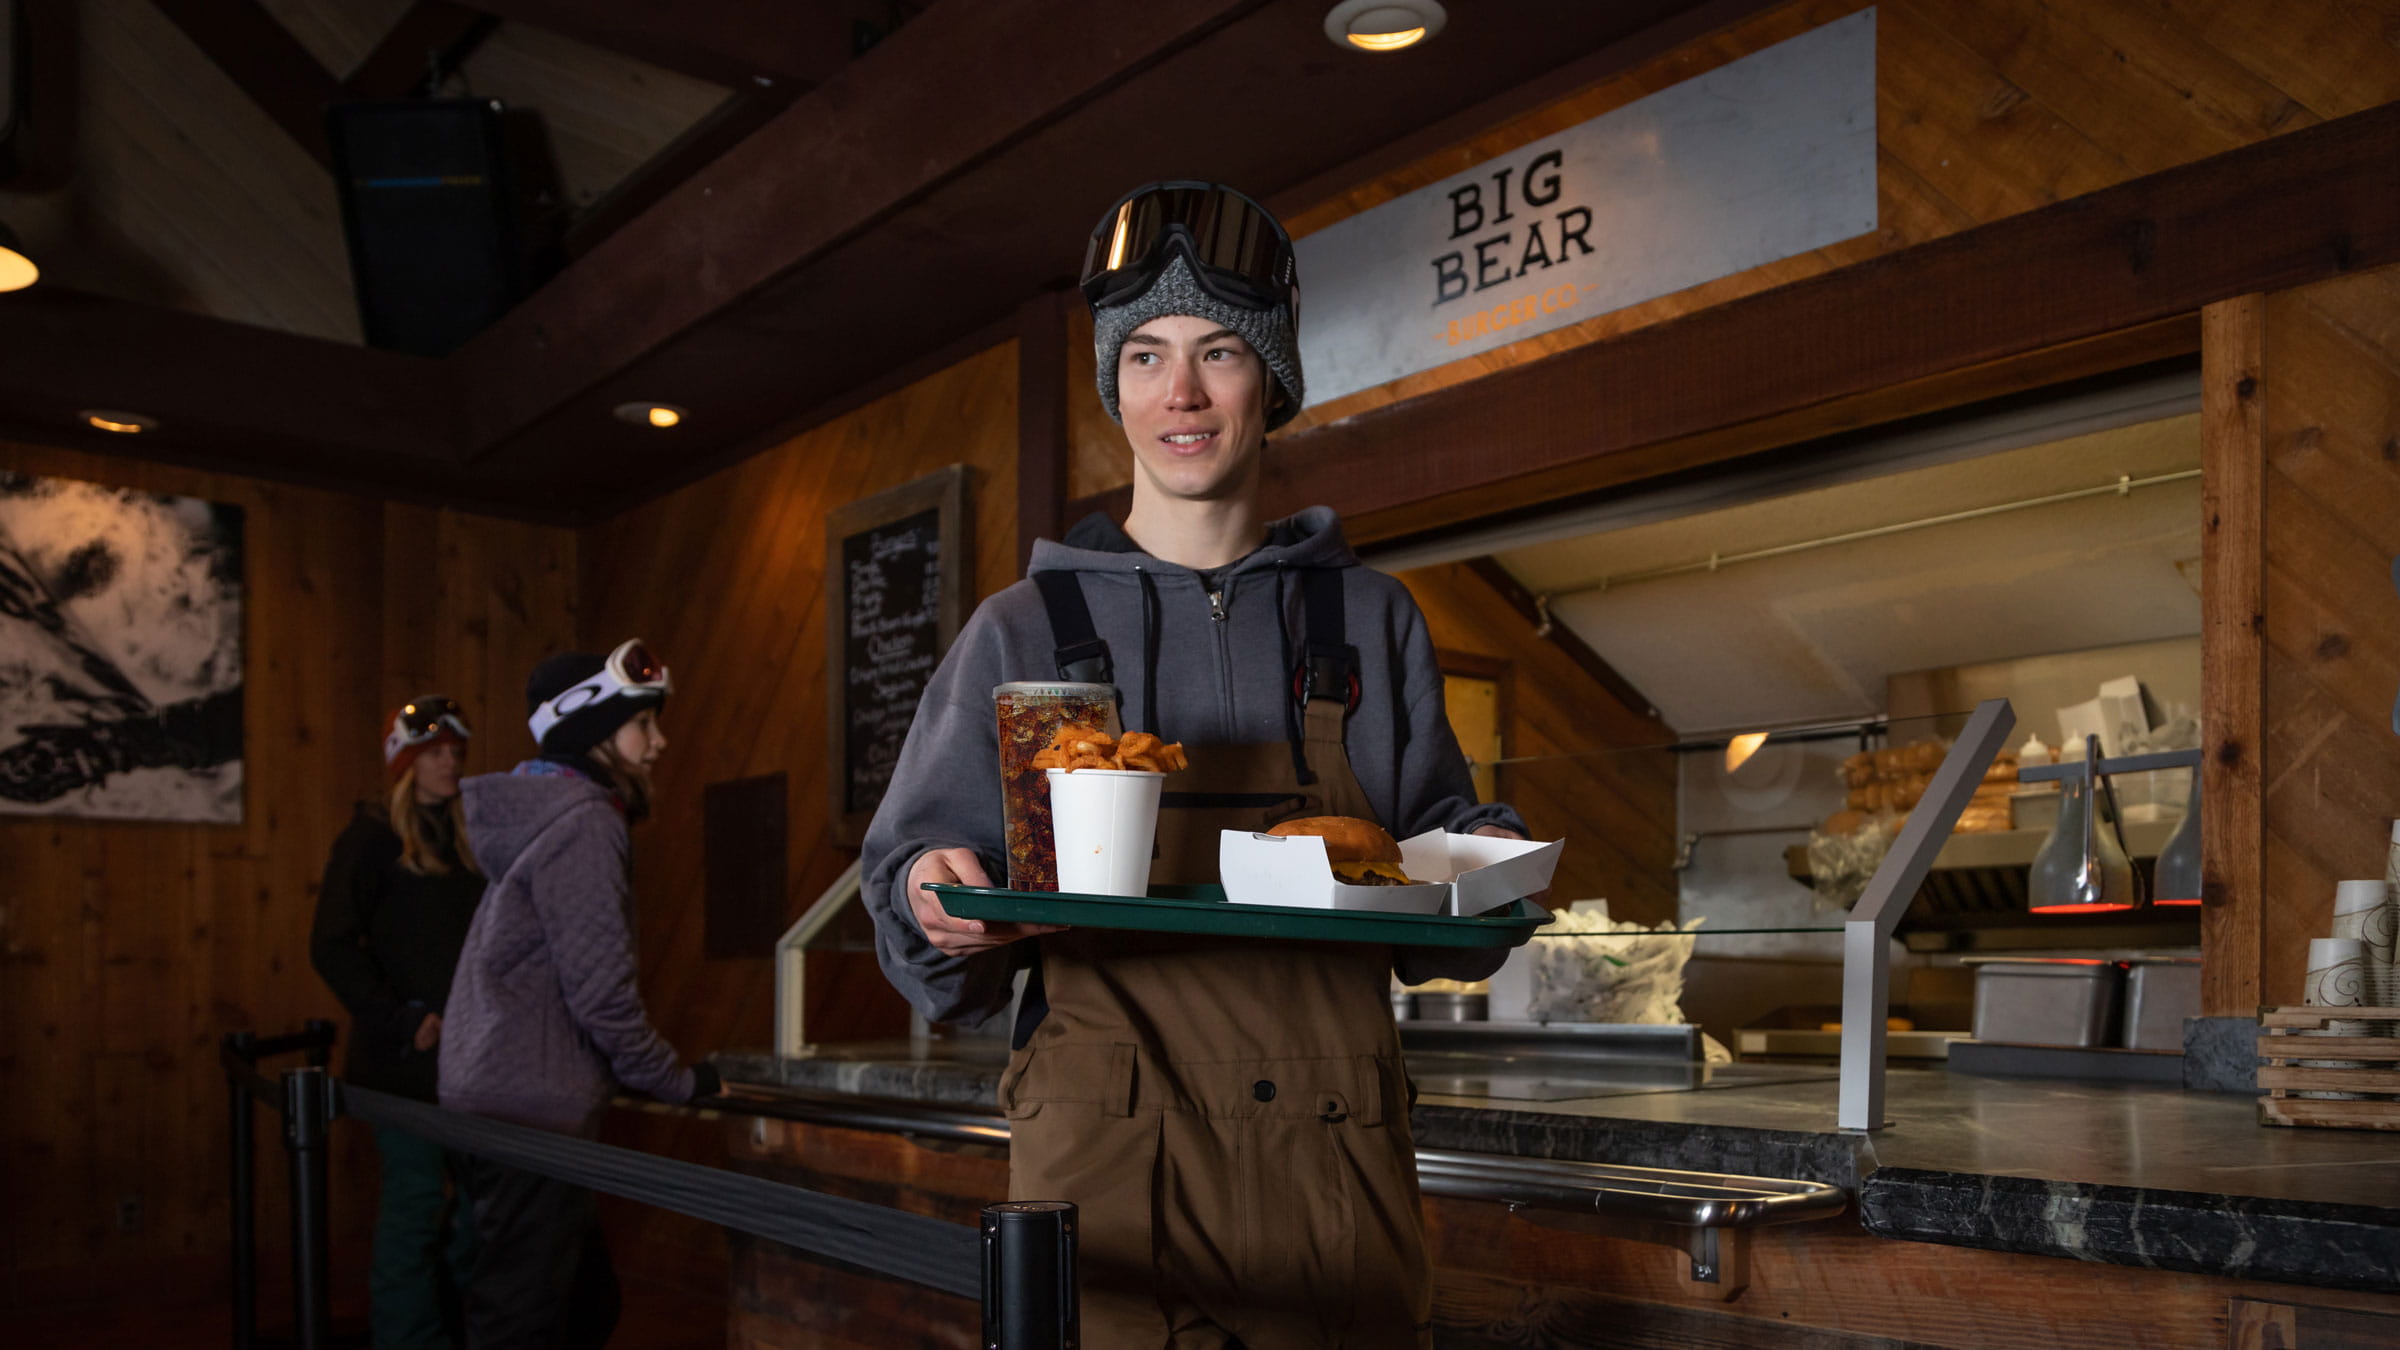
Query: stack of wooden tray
point(2282, 1047)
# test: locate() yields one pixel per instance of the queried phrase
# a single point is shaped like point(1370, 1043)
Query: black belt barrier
point(1021, 1261)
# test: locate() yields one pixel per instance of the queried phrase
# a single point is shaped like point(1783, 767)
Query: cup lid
point(1054, 689)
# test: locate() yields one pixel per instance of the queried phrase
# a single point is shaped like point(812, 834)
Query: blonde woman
point(400, 891)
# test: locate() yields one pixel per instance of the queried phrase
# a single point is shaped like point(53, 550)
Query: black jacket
point(386, 942)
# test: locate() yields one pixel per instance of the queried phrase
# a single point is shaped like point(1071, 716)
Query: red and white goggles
point(631, 671)
point(422, 720)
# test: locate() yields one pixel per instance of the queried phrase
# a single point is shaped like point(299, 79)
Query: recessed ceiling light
point(1383, 25)
point(16, 270)
point(650, 414)
point(117, 421)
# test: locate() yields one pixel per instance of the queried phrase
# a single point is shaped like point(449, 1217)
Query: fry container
point(1105, 821)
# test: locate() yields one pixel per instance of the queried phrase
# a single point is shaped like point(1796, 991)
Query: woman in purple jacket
point(544, 1023)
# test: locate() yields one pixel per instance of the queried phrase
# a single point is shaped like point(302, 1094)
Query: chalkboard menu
point(896, 570)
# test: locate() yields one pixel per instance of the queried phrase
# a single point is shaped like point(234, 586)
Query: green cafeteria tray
point(1204, 910)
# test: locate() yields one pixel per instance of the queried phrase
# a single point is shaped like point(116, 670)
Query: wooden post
point(1042, 428)
point(2232, 652)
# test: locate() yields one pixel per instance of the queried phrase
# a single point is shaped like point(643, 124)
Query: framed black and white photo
point(120, 653)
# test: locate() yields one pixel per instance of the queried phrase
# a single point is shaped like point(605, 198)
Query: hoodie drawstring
point(1149, 648)
point(1291, 704)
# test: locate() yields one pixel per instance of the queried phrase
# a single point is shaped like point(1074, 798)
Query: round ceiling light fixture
point(650, 414)
point(117, 422)
point(16, 270)
point(1383, 25)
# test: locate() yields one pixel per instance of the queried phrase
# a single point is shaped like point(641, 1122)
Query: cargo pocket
point(1104, 1165)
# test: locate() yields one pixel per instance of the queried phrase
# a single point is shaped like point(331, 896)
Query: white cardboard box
point(1462, 874)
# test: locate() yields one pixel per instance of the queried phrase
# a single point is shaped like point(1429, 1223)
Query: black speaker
point(430, 204)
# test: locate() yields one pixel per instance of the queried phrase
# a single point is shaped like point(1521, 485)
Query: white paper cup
point(1105, 821)
point(2338, 977)
point(2359, 912)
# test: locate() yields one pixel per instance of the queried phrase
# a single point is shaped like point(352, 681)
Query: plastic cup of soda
point(1029, 713)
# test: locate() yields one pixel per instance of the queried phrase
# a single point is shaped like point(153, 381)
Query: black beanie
point(580, 730)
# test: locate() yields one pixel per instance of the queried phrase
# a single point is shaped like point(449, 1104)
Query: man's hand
point(429, 1032)
point(959, 937)
point(1541, 897)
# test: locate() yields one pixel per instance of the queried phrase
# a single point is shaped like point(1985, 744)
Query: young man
point(1231, 1115)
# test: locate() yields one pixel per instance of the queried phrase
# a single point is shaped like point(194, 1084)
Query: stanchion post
point(241, 1196)
point(1029, 1276)
point(306, 1113)
point(320, 1047)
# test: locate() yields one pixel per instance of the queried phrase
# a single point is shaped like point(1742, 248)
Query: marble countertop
point(2124, 1174)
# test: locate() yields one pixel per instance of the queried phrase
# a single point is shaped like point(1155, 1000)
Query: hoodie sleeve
point(944, 793)
point(578, 874)
point(1437, 792)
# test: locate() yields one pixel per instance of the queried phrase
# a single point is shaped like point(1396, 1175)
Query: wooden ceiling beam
point(281, 76)
point(727, 42)
point(275, 402)
point(2113, 276)
point(742, 112)
point(429, 35)
point(801, 186)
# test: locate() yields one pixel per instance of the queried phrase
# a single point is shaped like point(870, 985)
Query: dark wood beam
point(429, 34)
point(724, 41)
point(795, 190)
point(246, 42)
point(742, 112)
point(2114, 275)
point(271, 402)
point(1042, 426)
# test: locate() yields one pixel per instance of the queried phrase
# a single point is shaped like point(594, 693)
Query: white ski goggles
point(422, 720)
point(631, 671)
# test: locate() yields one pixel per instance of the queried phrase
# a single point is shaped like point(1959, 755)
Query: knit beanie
point(589, 725)
point(397, 763)
point(1269, 333)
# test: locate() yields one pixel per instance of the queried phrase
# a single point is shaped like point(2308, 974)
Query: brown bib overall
point(1230, 1115)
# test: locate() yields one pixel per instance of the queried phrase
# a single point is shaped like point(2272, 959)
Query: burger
point(1361, 852)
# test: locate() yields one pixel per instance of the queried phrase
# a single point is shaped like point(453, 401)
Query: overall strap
point(1329, 664)
point(1081, 653)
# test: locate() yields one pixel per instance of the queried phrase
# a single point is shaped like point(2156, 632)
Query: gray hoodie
point(1212, 680)
point(544, 1021)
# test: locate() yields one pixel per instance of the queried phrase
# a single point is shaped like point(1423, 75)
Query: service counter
point(2181, 1221)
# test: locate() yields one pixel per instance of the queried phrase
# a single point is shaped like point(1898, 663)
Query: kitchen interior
point(1814, 640)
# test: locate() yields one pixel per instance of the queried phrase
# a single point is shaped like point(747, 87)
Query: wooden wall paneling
point(1984, 111)
point(2232, 652)
point(725, 577)
point(1098, 458)
point(2330, 383)
point(131, 946)
point(1583, 763)
point(745, 621)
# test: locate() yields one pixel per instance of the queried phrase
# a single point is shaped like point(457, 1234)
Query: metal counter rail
point(1704, 1215)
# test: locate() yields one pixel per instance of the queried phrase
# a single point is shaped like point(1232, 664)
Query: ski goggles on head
point(1239, 253)
point(422, 720)
point(631, 671)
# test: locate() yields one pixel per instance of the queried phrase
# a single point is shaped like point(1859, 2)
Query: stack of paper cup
point(2337, 978)
point(1105, 821)
point(2359, 912)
